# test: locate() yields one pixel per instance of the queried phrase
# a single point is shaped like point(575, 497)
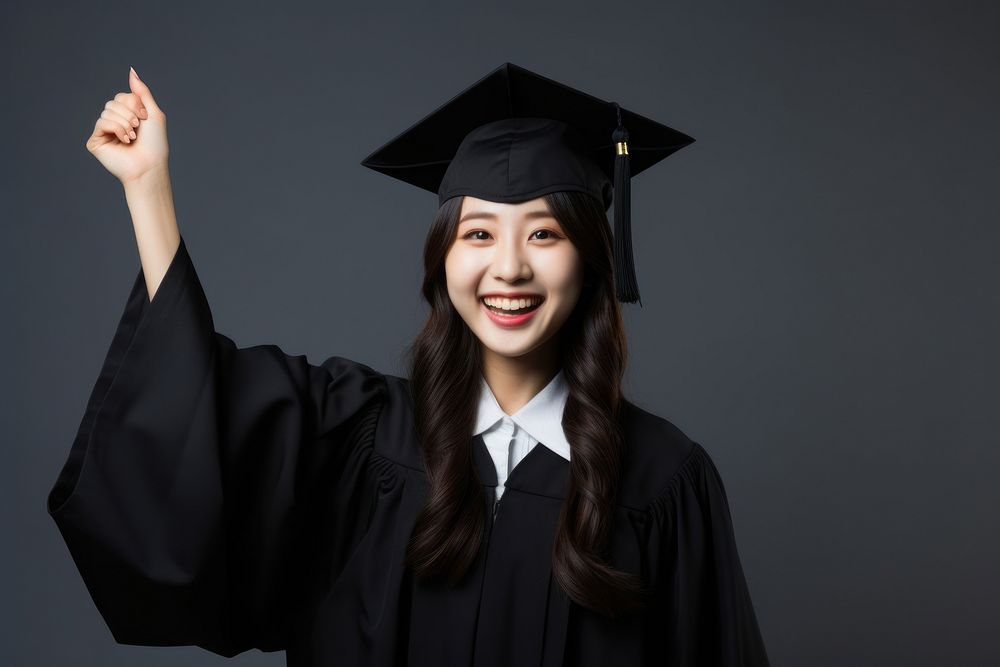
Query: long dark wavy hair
point(444, 367)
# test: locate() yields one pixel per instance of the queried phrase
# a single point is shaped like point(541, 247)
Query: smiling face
point(520, 251)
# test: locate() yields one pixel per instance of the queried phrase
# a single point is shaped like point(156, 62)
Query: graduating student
point(503, 505)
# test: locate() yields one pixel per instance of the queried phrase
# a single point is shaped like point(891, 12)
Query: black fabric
point(236, 498)
point(490, 141)
point(517, 159)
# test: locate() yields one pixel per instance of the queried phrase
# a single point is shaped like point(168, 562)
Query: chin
point(505, 348)
point(510, 354)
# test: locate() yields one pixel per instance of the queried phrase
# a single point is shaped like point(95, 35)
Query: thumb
point(142, 90)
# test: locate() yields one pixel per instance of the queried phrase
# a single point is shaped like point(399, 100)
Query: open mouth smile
point(510, 317)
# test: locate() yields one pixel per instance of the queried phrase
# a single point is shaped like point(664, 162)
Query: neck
point(515, 380)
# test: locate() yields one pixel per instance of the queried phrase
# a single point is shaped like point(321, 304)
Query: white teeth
point(511, 304)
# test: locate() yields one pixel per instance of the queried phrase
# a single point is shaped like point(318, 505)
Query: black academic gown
point(236, 498)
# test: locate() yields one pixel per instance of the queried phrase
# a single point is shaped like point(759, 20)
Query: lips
point(534, 303)
point(511, 295)
point(506, 320)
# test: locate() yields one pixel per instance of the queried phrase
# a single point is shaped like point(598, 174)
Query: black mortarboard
point(515, 135)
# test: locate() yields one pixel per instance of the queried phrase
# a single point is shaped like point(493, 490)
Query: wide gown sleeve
point(703, 613)
point(181, 501)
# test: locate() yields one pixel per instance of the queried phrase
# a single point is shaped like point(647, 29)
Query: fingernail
point(142, 112)
point(134, 73)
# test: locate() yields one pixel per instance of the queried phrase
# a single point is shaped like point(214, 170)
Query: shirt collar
point(541, 417)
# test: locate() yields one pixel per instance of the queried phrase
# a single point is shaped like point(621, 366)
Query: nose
point(510, 261)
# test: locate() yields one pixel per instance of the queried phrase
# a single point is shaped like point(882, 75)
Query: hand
point(130, 137)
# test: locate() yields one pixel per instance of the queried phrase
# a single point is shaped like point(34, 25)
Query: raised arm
point(188, 496)
point(130, 140)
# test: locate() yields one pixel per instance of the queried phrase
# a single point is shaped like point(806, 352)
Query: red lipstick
point(508, 321)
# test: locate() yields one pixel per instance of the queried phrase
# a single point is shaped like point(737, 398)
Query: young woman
point(503, 505)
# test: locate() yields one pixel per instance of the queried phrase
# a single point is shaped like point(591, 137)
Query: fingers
point(122, 115)
point(142, 90)
point(133, 103)
point(125, 130)
point(114, 125)
point(123, 110)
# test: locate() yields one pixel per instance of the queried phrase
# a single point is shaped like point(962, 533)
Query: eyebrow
point(486, 215)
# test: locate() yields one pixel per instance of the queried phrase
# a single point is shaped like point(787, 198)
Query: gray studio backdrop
point(819, 270)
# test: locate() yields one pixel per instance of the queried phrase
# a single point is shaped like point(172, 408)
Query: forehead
point(483, 209)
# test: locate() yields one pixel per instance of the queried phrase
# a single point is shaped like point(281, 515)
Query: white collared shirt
point(509, 438)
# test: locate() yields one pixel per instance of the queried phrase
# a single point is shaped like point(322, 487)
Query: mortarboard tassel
point(626, 285)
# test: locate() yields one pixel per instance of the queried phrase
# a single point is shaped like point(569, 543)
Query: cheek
point(568, 280)
point(461, 274)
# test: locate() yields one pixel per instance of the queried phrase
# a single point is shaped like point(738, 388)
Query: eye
point(551, 234)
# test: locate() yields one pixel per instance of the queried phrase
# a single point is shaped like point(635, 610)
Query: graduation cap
point(515, 135)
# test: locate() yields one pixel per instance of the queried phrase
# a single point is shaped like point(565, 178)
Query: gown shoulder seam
point(693, 459)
